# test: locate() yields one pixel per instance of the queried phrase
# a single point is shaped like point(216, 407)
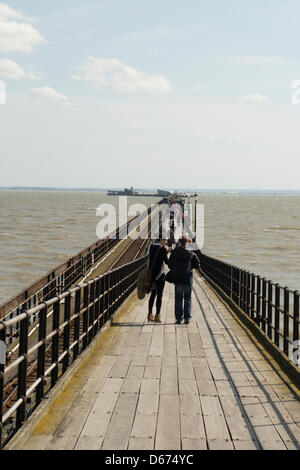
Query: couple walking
point(181, 264)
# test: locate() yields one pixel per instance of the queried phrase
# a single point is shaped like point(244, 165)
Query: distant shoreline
point(192, 191)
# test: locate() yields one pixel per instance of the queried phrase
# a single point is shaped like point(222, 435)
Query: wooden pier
point(208, 385)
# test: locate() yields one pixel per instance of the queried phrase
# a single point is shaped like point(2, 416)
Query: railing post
point(258, 300)
point(67, 314)
point(239, 287)
point(247, 292)
point(296, 344)
point(85, 315)
point(2, 367)
point(286, 309)
point(41, 354)
point(91, 311)
point(97, 306)
point(108, 280)
point(252, 292)
point(244, 290)
point(270, 309)
point(55, 342)
point(77, 323)
point(296, 316)
point(102, 302)
point(277, 313)
point(264, 304)
point(22, 372)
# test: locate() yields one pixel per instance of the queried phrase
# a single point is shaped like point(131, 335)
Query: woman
point(158, 257)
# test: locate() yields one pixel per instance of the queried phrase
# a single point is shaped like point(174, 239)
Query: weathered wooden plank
point(131, 385)
point(169, 381)
point(169, 353)
point(153, 367)
point(156, 348)
point(144, 426)
point(182, 341)
point(168, 424)
point(120, 368)
point(149, 397)
point(216, 428)
point(190, 404)
point(185, 368)
point(100, 415)
point(118, 432)
point(88, 443)
point(264, 429)
point(133, 336)
point(135, 371)
point(101, 372)
point(194, 444)
point(118, 342)
point(225, 388)
point(196, 344)
point(284, 424)
point(141, 443)
point(237, 421)
point(188, 387)
point(192, 427)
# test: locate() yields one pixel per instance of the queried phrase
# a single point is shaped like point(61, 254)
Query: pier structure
point(87, 370)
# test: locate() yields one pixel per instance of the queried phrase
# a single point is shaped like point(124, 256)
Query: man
point(158, 257)
point(181, 263)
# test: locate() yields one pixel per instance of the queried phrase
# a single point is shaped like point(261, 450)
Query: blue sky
point(165, 93)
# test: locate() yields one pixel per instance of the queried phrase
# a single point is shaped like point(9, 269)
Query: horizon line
point(83, 188)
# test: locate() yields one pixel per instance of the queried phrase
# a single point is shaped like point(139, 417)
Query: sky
point(166, 93)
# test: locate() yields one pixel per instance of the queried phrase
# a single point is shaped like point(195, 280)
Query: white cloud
point(16, 36)
point(257, 60)
point(255, 98)
point(49, 94)
point(11, 70)
point(112, 73)
point(7, 12)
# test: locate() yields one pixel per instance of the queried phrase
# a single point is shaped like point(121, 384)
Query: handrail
point(84, 310)
point(275, 309)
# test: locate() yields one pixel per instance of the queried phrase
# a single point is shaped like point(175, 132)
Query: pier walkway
point(208, 385)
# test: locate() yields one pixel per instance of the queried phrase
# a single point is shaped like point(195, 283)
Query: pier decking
point(208, 385)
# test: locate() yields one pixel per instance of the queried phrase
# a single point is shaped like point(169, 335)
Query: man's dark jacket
point(181, 263)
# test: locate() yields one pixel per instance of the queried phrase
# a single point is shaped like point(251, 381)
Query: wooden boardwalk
point(208, 385)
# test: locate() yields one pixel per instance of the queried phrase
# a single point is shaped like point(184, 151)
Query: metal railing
point(78, 315)
point(275, 309)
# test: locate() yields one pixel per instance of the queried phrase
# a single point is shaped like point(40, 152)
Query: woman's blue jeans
point(183, 299)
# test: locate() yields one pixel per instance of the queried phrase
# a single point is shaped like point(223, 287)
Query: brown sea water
point(41, 229)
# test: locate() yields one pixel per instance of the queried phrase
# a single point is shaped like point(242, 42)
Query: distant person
point(158, 258)
point(181, 263)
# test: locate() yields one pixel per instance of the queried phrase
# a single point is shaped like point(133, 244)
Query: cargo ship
point(130, 192)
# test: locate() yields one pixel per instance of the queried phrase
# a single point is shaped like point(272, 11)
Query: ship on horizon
point(131, 192)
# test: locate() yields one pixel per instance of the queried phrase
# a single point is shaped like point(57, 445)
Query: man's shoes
point(178, 322)
point(150, 317)
point(157, 319)
point(186, 322)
